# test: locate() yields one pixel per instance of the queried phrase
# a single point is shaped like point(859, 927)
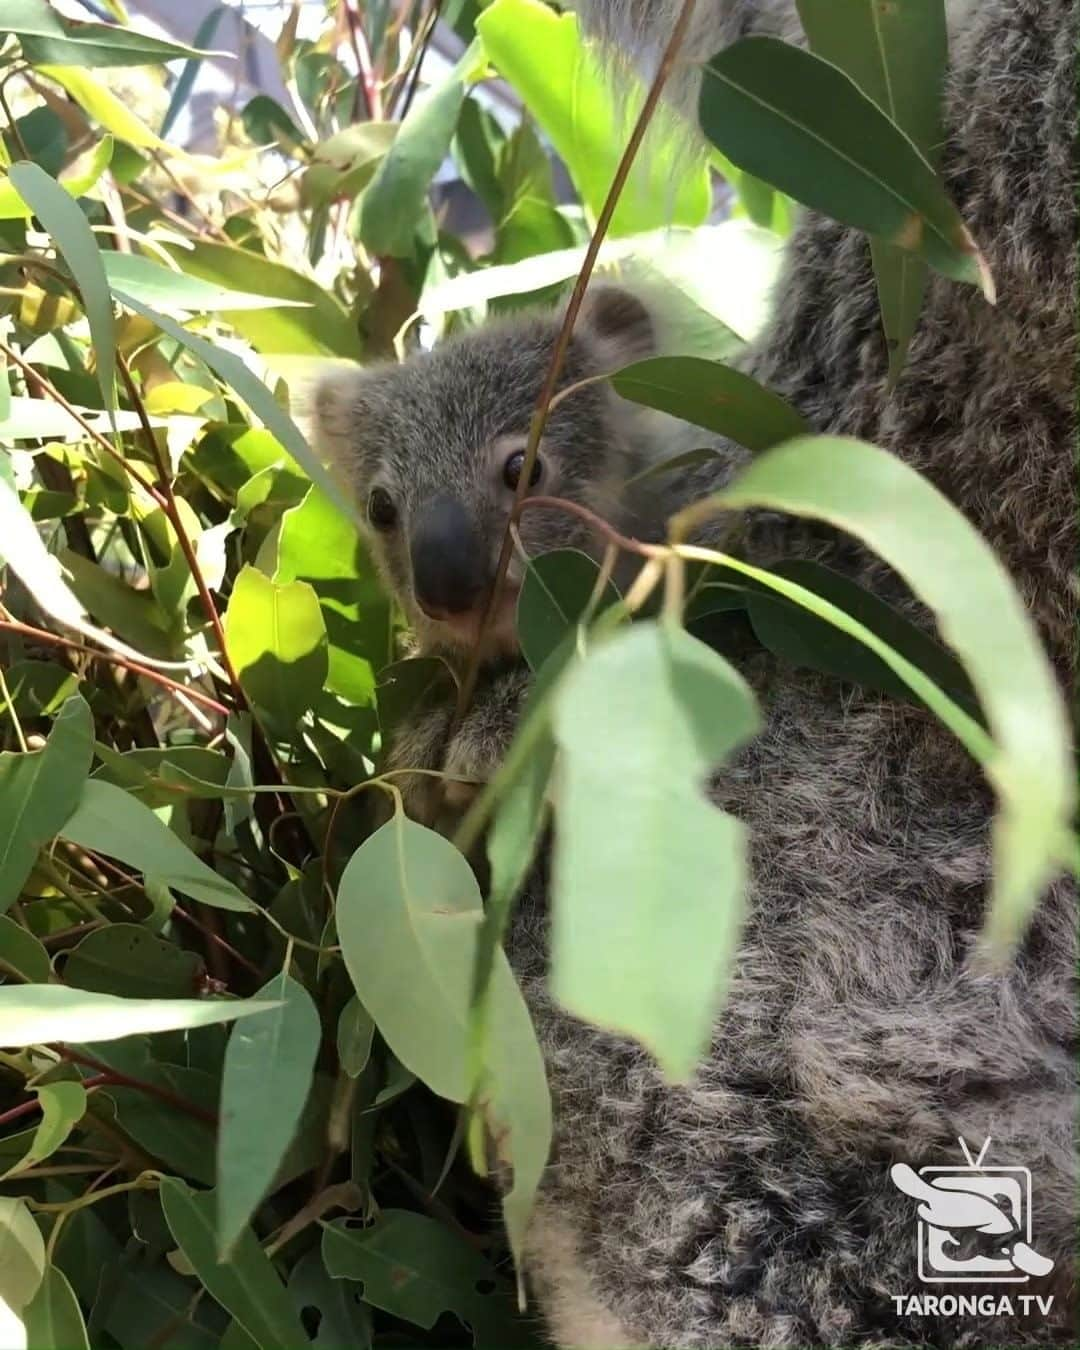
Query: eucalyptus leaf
point(20, 951)
point(34, 1014)
point(48, 38)
point(245, 1284)
point(74, 240)
point(265, 1083)
point(640, 723)
point(955, 572)
point(38, 793)
point(111, 821)
point(53, 1318)
point(799, 123)
point(22, 1253)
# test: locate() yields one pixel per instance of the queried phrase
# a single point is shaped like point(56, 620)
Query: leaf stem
point(562, 342)
point(118, 1079)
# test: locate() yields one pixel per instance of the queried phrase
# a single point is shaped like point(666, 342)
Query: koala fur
point(754, 1207)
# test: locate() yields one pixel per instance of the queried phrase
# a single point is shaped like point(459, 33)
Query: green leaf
point(298, 315)
point(317, 544)
point(711, 395)
point(555, 596)
point(231, 370)
point(135, 616)
point(276, 638)
point(63, 1105)
point(796, 121)
point(355, 1033)
point(22, 1252)
point(184, 85)
point(414, 889)
point(955, 572)
point(34, 1014)
point(21, 952)
point(127, 959)
point(265, 1083)
point(39, 791)
point(111, 821)
point(156, 284)
point(416, 1268)
point(50, 39)
point(39, 419)
point(343, 165)
point(565, 88)
point(246, 1284)
point(395, 199)
point(640, 723)
point(897, 55)
point(71, 233)
point(53, 1318)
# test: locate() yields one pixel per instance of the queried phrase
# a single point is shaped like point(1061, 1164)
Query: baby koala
point(433, 449)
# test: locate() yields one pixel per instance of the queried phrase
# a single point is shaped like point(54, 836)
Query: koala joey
point(432, 449)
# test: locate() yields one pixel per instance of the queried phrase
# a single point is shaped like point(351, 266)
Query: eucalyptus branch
point(562, 342)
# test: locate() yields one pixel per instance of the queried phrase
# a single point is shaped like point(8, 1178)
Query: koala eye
point(513, 466)
point(381, 509)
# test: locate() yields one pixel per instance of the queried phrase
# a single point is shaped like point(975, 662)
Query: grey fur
point(754, 1208)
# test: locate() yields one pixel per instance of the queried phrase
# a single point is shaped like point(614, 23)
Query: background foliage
point(243, 1037)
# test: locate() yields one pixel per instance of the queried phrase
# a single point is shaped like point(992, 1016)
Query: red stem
point(34, 1104)
point(151, 1089)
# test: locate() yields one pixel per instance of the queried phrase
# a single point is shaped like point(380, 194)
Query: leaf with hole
point(416, 1268)
point(265, 1083)
point(128, 959)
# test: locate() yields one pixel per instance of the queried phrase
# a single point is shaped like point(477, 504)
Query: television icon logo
point(974, 1222)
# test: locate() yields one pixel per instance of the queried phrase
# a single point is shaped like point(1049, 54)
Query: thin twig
point(92, 432)
point(140, 1084)
point(43, 635)
point(562, 342)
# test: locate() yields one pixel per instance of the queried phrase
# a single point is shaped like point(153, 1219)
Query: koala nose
point(449, 563)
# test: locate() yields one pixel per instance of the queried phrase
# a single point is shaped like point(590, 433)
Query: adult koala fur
point(755, 1207)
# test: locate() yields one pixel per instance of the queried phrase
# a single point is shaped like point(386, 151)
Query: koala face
point(433, 451)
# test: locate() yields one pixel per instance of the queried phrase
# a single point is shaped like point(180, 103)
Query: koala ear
point(335, 413)
point(618, 323)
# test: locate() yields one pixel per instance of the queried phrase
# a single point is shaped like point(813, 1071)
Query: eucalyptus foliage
point(243, 1032)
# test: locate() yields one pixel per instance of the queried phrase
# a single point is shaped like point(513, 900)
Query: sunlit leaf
point(70, 232)
point(564, 87)
point(156, 284)
point(33, 1014)
point(265, 1083)
point(53, 1318)
point(276, 638)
